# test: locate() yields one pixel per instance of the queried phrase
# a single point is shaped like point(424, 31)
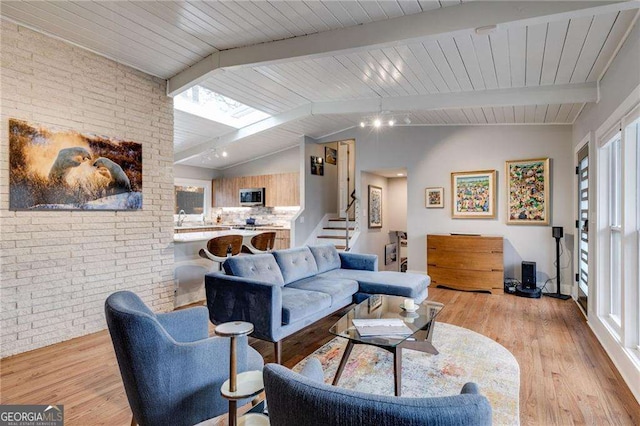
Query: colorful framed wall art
point(473, 194)
point(434, 198)
point(528, 190)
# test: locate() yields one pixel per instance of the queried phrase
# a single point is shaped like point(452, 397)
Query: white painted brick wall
point(57, 268)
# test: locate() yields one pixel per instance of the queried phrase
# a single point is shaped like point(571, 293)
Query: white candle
point(409, 304)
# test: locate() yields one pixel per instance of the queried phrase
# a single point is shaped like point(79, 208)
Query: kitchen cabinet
point(283, 239)
point(282, 189)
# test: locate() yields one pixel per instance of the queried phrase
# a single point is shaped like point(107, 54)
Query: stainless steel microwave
point(252, 197)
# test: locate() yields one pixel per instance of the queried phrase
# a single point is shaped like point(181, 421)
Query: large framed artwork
point(528, 189)
point(473, 194)
point(375, 207)
point(68, 170)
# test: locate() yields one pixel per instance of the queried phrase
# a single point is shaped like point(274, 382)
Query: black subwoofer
point(529, 274)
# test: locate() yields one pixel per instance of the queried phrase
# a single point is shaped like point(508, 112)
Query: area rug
point(465, 356)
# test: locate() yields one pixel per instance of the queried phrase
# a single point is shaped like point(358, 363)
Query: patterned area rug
point(465, 356)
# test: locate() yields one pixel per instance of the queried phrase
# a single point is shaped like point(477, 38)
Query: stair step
point(339, 219)
point(340, 247)
point(338, 228)
point(333, 237)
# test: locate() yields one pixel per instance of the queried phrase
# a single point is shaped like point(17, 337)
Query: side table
point(243, 385)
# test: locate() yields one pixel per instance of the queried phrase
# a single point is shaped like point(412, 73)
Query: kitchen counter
point(221, 227)
point(190, 268)
point(206, 236)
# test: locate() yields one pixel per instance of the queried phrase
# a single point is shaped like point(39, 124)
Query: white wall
point(431, 153)
point(318, 195)
point(287, 161)
point(58, 267)
point(397, 196)
point(191, 172)
point(621, 78)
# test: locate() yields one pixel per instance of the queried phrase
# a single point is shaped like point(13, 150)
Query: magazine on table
point(381, 327)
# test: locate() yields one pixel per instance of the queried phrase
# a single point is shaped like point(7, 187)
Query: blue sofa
point(284, 291)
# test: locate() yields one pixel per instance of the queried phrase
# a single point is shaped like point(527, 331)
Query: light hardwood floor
point(566, 377)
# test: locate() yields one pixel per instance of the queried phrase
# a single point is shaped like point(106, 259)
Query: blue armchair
point(172, 370)
point(303, 399)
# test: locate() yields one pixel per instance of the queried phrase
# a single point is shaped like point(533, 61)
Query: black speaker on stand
point(557, 233)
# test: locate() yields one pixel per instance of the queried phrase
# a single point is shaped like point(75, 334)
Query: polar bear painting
point(70, 171)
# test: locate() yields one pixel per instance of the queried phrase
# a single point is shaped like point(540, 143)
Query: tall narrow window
point(615, 228)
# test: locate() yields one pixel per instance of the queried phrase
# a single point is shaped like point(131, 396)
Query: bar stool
point(261, 243)
point(217, 248)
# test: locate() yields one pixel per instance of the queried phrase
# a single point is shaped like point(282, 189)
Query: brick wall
point(57, 267)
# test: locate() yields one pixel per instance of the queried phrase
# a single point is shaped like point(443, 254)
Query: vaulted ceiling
point(318, 67)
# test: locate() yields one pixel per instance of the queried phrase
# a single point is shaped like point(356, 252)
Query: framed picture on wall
point(317, 166)
point(390, 253)
point(330, 155)
point(473, 194)
point(375, 207)
point(52, 169)
point(434, 198)
point(528, 189)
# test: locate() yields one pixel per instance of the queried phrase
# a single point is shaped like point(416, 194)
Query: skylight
point(213, 106)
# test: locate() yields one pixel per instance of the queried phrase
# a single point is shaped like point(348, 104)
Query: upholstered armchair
point(303, 399)
point(172, 370)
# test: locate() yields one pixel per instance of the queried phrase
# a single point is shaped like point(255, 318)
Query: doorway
point(582, 171)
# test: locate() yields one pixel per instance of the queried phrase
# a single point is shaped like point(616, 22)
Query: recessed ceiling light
point(224, 153)
point(399, 174)
point(377, 123)
point(362, 124)
point(392, 122)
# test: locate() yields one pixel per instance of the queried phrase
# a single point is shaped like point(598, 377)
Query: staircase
point(334, 232)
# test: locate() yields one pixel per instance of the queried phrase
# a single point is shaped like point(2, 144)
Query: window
point(615, 228)
point(618, 246)
point(213, 106)
point(193, 198)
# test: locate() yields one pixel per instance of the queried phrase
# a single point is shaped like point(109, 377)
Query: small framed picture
point(317, 166)
point(390, 253)
point(375, 206)
point(434, 198)
point(374, 302)
point(473, 194)
point(330, 155)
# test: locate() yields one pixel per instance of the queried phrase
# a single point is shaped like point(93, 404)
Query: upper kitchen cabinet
point(281, 189)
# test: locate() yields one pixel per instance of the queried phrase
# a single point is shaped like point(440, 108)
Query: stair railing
point(346, 211)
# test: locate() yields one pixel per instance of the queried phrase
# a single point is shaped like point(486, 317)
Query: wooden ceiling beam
point(539, 95)
point(447, 21)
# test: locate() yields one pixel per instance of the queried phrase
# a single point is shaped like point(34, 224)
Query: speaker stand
point(557, 294)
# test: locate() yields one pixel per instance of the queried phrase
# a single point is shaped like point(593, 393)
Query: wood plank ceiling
point(164, 38)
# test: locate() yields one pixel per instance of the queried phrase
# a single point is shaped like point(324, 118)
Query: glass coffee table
point(421, 324)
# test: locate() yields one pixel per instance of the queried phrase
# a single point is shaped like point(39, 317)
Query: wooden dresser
point(466, 262)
